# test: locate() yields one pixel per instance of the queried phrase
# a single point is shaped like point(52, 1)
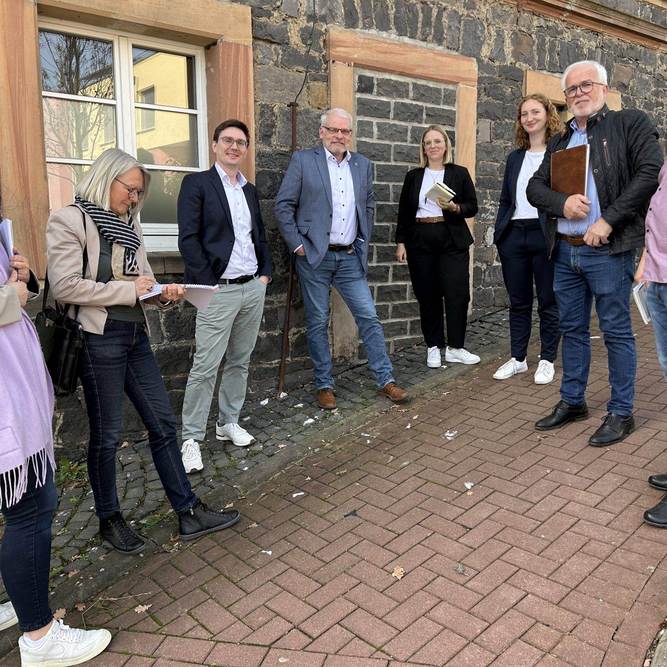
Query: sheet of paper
point(200, 295)
point(6, 235)
point(639, 295)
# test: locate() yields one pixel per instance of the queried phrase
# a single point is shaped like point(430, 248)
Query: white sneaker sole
point(544, 381)
point(507, 377)
point(431, 364)
point(9, 623)
point(192, 469)
point(94, 651)
point(460, 361)
point(226, 438)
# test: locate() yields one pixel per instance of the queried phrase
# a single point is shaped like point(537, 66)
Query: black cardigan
point(458, 179)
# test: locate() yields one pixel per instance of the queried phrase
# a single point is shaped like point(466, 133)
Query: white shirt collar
point(240, 178)
point(331, 156)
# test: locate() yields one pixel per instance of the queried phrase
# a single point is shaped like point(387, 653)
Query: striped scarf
point(115, 230)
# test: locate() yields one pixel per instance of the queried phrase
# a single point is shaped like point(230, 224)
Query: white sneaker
point(459, 355)
point(63, 646)
point(433, 358)
point(237, 434)
point(510, 368)
point(191, 455)
point(545, 372)
point(7, 616)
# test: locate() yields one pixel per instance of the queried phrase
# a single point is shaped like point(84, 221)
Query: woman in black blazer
point(520, 238)
point(434, 239)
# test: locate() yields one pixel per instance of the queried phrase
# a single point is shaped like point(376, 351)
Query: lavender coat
point(26, 402)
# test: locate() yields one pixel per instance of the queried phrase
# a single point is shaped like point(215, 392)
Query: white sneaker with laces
point(7, 616)
point(63, 646)
point(191, 455)
point(545, 372)
point(237, 434)
point(433, 357)
point(510, 368)
point(459, 355)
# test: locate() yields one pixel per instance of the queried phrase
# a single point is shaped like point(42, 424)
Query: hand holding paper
point(198, 295)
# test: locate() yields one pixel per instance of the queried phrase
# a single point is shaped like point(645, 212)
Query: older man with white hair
point(593, 238)
point(325, 210)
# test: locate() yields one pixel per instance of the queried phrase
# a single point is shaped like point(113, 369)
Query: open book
point(440, 191)
point(198, 295)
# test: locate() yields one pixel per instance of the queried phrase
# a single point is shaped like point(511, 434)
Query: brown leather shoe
point(393, 392)
point(326, 398)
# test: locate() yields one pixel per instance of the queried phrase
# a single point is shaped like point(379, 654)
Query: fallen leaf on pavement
point(141, 608)
point(59, 614)
point(398, 572)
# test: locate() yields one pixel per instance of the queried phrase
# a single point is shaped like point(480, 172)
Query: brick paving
point(517, 547)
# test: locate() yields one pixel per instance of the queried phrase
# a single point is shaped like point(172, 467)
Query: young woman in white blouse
point(520, 238)
point(434, 238)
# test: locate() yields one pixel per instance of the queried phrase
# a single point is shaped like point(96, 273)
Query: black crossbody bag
point(61, 337)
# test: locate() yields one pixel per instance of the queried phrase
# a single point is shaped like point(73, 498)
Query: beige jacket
point(10, 306)
point(65, 240)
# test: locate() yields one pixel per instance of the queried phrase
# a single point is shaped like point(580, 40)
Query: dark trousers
point(438, 269)
point(119, 362)
point(523, 256)
point(26, 552)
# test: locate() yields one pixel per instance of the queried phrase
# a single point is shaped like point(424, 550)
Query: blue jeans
point(583, 274)
point(119, 362)
point(344, 272)
point(26, 552)
point(657, 305)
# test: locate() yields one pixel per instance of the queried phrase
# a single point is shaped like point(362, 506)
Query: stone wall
point(289, 36)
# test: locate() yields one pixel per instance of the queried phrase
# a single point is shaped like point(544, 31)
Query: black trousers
point(438, 269)
point(523, 256)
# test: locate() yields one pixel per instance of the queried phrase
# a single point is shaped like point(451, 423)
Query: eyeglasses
point(228, 141)
point(131, 192)
point(335, 130)
point(584, 88)
point(433, 142)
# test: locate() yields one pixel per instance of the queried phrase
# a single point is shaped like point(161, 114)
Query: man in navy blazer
point(222, 240)
point(325, 210)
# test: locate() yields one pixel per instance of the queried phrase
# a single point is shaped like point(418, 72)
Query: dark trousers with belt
point(438, 269)
point(524, 260)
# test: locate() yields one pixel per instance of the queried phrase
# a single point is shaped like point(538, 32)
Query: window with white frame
point(106, 89)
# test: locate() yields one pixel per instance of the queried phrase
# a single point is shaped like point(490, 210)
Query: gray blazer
point(304, 205)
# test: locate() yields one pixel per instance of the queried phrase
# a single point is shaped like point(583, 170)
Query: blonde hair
point(423, 159)
point(96, 182)
point(554, 121)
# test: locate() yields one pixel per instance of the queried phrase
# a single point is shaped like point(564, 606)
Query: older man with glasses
point(592, 238)
point(325, 211)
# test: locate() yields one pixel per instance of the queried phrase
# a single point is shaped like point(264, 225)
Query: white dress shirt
point(243, 260)
point(344, 219)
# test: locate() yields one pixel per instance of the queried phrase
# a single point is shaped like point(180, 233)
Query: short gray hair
point(96, 183)
point(602, 72)
point(336, 111)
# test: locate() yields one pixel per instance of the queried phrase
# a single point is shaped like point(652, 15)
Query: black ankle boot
point(119, 535)
point(201, 520)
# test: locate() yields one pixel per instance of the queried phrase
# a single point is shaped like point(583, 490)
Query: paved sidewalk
point(447, 532)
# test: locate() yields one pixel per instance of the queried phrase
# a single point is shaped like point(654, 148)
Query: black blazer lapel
point(416, 187)
point(220, 191)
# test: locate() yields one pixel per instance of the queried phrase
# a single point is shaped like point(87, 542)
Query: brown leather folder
point(569, 170)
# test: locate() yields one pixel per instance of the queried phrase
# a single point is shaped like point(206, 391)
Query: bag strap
point(45, 294)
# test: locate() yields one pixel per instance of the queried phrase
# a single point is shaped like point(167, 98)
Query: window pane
point(170, 75)
point(76, 65)
point(62, 180)
point(160, 205)
point(79, 130)
point(170, 138)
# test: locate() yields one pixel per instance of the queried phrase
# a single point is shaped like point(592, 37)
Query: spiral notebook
point(198, 295)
